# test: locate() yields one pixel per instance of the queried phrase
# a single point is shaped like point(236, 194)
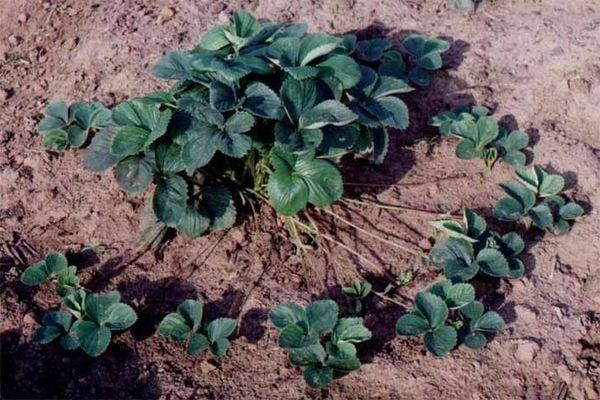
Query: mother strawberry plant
point(258, 109)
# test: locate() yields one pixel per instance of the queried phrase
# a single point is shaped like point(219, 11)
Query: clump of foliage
point(186, 325)
point(259, 109)
point(537, 196)
point(357, 291)
point(481, 136)
point(303, 332)
point(448, 314)
point(469, 247)
point(70, 125)
point(96, 315)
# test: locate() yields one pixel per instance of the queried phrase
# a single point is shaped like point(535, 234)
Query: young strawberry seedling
point(537, 196)
point(357, 291)
point(186, 325)
point(302, 332)
point(481, 137)
point(469, 248)
point(259, 110)
point(448, 314)
point(96, 314)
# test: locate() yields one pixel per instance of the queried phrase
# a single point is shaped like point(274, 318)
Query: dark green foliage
point(469, 248)
point(481, 137)
point(258, 108)
point(317, 341)
point(537, 196)
point(96, 314)
point(357, 291)
point(186, 325)
point(448, 314)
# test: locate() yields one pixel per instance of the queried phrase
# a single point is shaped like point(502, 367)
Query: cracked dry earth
point(535, 63)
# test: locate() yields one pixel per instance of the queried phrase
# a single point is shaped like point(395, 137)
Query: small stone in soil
point(526, 350)
point(71, 43)
point(22, 18)
point(165, 15)
point(14, 40)
point(425, 244)
point(3, 96)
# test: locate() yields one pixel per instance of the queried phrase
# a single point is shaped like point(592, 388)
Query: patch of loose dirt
point(537, 64)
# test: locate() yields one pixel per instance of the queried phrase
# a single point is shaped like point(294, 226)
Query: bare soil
point(535, 63)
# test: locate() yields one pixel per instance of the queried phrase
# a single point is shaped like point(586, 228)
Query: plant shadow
point(37, 371)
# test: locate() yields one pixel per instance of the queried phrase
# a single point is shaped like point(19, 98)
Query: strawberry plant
point(481, 137)
point(357, 291)
point(537, 196)
point(448, 314)
point(96, 315)
point(186, 325)
point(468, 248)
point(303, 332)
point(464, 5)
point(259, 109)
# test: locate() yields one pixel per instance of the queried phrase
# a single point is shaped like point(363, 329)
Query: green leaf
point(298, 97)
point(475, 340)
point(342, 68)
point(119, 317)
point(193, 223)
point(318, 377)
point(512, 244)
point(198, 149)
point(214, 39)
point(322, 316)
point(314, 354)
point(288, 193)
point(54, 325)
point(459, 270)
point(316, 45)
point(222, 96)
point(472, 311)
point(57, 116)
point(570, 211)
point(293, 140)
point(487, 128)
point(176, 65)
point(46, 334)
point(433, 308)
point(90, 116)
point(93, 338)
point(329, 112)
point(175, 327)
point(541, 215)
point(134, 175)
point(197, 344)
point(76, 135)
point(97, 305)
point(467, 150)
point(441, 341)
point(219, 347)
point(489, 322)
point(75, 302)
point(239, 122)
point(338, 139)
point(474, 223)
point(515, 158)
point(343, 362)
point(492, 262)
point(550, 184)
point(56, 139)
point(129, 140)
point(99, 157)
point(516, 140)
point(69, 341)
point(261, 101)
point(508, 209)
point(521, 193)
point(217, 204)
point(294, 337)
point(387, 86)
point(170, 199)
point(411, 325)
point(168, 158)
point(35, 274)
point(450, 249)
point(350, 330)
point(286, 314)
point(465, 129)
point(244, 23)
point(220, 328)
point(391, 111)
point(372, 50)
point(459, 295)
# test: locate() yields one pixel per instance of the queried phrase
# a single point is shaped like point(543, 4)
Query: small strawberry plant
point(447, 314)
point(357, 291)
point(537, 196)
point(467, 248)
point(317, 341)
point(96, 315)
point(186, 325)
point(481, 137)
point(258, 110)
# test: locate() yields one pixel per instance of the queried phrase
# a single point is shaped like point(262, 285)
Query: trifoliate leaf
point(56, 139)
point(371, 50)
point(489, 322)
point(175, 327)
point(492, 262)
point(508, 209)
point(350, 330)
point(261, 101)
point(450, 249)
point(97, 305)
point(294, 337)
point(570, 211)
point(119, 317)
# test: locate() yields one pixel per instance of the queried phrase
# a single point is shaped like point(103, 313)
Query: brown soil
point(535, 63)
